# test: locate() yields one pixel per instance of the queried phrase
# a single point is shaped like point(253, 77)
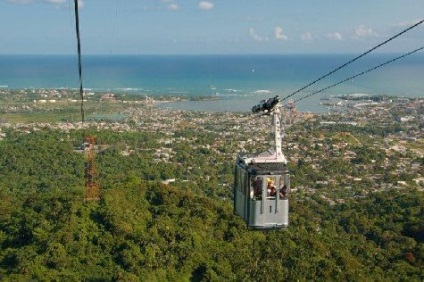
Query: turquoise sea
point(237, 81)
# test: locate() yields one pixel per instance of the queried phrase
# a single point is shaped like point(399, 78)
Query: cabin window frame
point(256, 187)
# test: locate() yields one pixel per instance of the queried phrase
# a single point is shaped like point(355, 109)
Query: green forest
point(143, 230)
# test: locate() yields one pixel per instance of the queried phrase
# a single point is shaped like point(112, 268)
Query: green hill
point(142, 230)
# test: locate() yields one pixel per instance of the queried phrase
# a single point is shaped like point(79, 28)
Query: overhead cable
point(359, 74)
point(81, 89)
point(351, 61)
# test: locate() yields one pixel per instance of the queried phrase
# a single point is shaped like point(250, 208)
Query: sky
point(209, 27)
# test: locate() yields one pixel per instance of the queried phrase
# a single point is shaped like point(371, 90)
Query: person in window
point(271, 188)
point(283, 192)
point(257, 188)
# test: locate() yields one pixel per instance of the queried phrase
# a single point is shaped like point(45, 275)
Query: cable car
point(262, 181)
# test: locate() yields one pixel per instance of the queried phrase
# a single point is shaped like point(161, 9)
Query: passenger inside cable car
point(256, 188)
point(271, 190)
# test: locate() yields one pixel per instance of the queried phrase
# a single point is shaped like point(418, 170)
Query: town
point(344, 154)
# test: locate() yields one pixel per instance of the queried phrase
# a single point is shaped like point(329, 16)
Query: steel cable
point(353, 60)
point(359, 74)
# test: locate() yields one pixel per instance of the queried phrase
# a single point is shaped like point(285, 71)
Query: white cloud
point(173, 7)
point(363, 31)
point(205, 5)
point(256, 36)
point(279, 35)
point(335, 36)
point(307, 36)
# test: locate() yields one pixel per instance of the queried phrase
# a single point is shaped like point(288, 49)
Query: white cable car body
point(262, 181)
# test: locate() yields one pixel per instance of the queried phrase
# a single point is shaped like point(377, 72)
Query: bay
point(237, 82)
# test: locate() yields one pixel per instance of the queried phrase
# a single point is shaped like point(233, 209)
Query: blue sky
point(209, 27)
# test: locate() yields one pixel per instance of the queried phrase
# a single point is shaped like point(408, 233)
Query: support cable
point(359, 74)
point(351, 61)
point(81, 89)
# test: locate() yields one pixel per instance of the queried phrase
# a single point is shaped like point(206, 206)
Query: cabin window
point(284, 186)
point(256, 187)
point(271, 188)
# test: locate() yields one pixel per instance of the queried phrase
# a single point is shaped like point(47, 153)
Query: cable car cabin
point(261, 194)
point(262, 181)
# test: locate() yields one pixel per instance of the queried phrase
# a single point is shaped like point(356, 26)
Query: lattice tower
point(92, 187)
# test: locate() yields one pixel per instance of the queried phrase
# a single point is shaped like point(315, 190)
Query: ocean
point(236, 81)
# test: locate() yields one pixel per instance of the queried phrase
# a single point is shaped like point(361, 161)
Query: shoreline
point(200, 103)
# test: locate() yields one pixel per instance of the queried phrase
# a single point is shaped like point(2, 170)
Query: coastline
point(207, 103)
point(233, 79)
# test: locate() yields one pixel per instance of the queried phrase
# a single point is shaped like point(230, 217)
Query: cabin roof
point(267, 168)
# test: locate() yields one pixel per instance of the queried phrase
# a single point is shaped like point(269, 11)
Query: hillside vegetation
point(144, 230)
